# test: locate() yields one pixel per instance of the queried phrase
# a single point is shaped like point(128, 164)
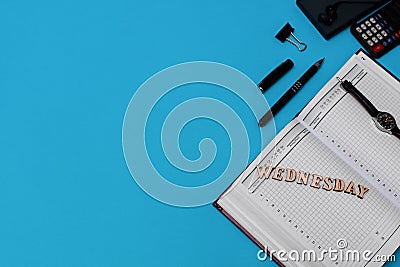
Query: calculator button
point(374, 30)
point(391, 29)
point(397, 34)
point(370, 43)
point(378, 27)
point(377, 48)
point(369, 33)
point(372, 20)
point(368, 23)
point(385, 43)
point(380, 37)
point(389, 40)
point(364, 36)
point(384, 33)
point(359, 29)
point(378, 16)
point(375, 39)
point(385, 22)
point(363, 26)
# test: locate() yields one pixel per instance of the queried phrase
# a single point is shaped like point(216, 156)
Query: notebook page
point(314, 217)
point(338, 120)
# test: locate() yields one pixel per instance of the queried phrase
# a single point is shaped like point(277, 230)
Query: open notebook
point(333, 137)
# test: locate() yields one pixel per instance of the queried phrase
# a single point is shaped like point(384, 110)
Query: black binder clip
point(285, 32)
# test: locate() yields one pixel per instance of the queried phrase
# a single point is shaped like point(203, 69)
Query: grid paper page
point(345, 126)
point(322, 217)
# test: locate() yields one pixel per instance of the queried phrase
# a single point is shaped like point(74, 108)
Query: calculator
point(379, 32)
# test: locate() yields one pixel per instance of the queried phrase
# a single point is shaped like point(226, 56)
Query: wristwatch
point(384, 121)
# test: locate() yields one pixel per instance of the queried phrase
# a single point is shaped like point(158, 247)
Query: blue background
point(67, 72)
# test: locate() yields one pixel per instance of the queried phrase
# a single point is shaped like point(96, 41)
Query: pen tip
point(261, 122)
point(319, 62)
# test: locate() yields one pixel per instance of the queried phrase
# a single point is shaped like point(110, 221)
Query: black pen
point(290, 93)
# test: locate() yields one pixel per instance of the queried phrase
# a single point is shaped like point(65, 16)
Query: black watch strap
point(396, 132)
point(346, 85)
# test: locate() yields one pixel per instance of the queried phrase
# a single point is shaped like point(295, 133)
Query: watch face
point(386, 121)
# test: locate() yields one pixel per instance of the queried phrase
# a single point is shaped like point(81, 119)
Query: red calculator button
point(397, 34)
point(377, 48)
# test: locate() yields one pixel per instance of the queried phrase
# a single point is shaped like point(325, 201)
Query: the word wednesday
point(315, 180)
